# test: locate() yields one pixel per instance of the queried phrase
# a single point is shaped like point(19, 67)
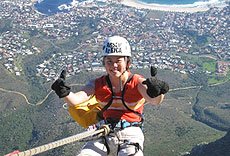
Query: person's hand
point(155, 87)
point(59, 86)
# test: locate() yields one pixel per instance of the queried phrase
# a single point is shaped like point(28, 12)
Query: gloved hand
point(155, 87)
point(59, 86)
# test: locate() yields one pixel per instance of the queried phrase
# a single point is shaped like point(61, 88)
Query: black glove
point(155, 87)
point(59, 86)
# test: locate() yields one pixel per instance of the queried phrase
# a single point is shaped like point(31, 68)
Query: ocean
point(50, 7)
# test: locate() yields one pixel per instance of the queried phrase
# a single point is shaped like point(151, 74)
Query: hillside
point(194, 116)
point(170, 129)
point(219, 147)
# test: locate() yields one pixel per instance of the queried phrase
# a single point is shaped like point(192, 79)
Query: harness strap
point(100, 114)
point(137, 148)
point(106, 144)
point(123, 101)
point(122, 97)
point(136, 145)
point(111, 100)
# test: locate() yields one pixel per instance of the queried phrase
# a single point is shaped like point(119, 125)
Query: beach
point(34, 1)
point(171, 8)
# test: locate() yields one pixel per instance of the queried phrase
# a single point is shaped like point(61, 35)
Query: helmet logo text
point(113, 48)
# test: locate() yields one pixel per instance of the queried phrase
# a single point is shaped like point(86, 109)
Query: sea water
point(50, 7)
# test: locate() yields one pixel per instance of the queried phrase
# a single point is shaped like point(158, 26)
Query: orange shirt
point(133, 99)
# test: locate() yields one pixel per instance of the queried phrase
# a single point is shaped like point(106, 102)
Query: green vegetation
point(217, 79)
point(5, 25)
point(170, 129)
point(156, 14)
point(208, 108)
point(18, 62)
point(209, 66)
point(16, 129)
point(186, 118)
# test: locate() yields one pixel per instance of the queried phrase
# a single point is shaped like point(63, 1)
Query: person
point(122, 96)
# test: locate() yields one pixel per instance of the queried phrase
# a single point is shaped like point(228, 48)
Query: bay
point(50, 7)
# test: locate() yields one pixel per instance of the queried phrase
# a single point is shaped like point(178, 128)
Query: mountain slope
point(219, 147)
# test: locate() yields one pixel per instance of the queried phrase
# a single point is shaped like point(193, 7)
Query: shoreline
point(188, 8)
point(34, 1)
point(170, 8)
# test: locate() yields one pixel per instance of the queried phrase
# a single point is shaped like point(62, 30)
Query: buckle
point(124, 124)
point(121, 124)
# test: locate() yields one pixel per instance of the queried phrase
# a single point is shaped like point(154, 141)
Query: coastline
point(34, 1)
point(171, 8)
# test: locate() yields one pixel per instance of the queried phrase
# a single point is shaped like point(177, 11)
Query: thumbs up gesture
point(59, 86)
point(155, 87)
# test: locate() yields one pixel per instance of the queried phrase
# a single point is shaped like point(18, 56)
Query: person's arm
point(153, 89)
point(143, 91)
point(64, 91)
point(81, 96)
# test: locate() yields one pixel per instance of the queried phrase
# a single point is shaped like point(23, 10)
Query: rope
point(103, 131)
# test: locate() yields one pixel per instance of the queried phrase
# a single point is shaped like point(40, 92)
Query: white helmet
point(116, 46)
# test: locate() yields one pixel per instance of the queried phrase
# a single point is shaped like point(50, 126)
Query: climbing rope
point(103, 131)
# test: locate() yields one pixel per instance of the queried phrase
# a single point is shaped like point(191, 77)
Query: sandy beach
point(171, 8)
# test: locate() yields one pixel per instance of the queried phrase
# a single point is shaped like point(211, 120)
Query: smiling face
point(115, 65)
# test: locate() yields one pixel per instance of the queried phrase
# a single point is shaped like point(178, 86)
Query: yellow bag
point(86, 113)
